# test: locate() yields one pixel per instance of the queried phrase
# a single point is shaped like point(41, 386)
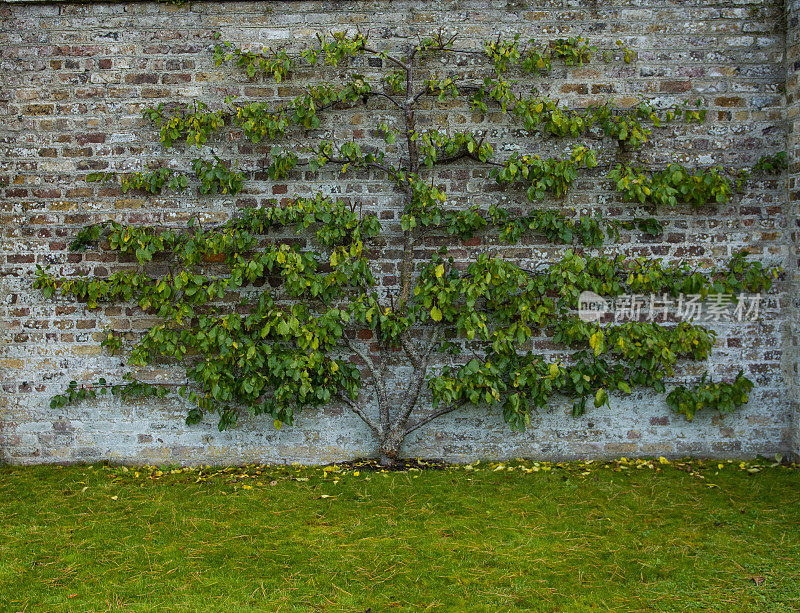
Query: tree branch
point(432, 344)
point(460, 88)
point(420, 369)
point(394, 60)
point(432, 416)
point(465, 154)
point(360, 412)
point(388, 97)
point(377, 379)
point(412, 355)
point(470, 51)
point(413, 160)
point(362, 354)
point(421, 93)
point(453, 158)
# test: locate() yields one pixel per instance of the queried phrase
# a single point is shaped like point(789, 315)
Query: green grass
point(657, 536)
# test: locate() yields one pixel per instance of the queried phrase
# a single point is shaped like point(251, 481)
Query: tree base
point(387, 461)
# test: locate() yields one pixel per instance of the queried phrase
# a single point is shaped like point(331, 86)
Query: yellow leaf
point(439, 271)
point(554, 370)
point(277, 423)
point(436, 314)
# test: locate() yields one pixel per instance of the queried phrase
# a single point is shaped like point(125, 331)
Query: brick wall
point(792, 350)
point(74, 78)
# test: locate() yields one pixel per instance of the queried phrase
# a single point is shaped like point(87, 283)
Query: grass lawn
point(624, 536)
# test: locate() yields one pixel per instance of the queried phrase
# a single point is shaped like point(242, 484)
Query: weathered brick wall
point(792, 334)
point(75, 77)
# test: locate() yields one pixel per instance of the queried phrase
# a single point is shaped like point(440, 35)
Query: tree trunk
point(390, 449)
point(386, 460)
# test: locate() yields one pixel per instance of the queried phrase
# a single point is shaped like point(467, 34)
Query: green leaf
point(600, 398)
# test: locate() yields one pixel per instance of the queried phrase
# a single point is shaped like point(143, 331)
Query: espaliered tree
point(268, 323)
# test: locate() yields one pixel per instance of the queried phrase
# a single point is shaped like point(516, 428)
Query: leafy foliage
point(130, 389)
point(673, 185)
point(724, 397)
point(274, 63)
point(194, 124)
